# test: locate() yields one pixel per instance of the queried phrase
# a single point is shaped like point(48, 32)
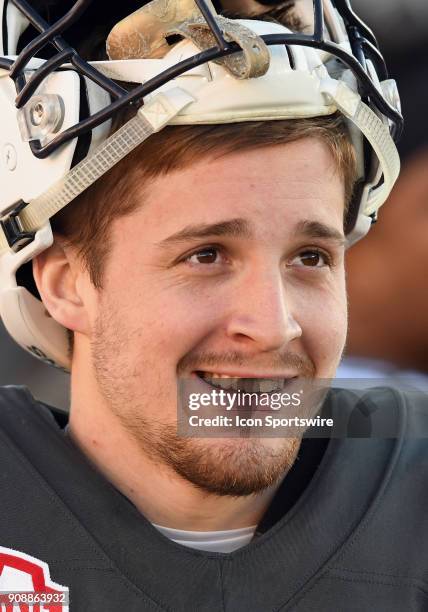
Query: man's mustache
point(278, 362)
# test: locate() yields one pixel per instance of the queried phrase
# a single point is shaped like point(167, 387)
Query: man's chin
point(234, 466)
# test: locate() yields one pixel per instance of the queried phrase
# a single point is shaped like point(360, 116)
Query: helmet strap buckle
point(16, 236)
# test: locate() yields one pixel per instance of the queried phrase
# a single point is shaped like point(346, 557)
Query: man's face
point(232, 266)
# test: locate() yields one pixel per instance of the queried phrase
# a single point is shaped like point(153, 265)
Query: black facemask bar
point(363, 43)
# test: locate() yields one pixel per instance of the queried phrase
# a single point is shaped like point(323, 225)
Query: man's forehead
point(256, 194)
point(305, 168)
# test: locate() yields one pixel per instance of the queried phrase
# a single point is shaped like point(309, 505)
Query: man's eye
point(312, 259)
point(208, 255)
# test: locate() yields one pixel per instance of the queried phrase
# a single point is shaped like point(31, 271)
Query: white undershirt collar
point(211, 541)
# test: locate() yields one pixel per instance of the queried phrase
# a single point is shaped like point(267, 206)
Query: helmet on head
point(57, 109)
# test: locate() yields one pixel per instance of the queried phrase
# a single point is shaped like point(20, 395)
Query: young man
point(212, 251)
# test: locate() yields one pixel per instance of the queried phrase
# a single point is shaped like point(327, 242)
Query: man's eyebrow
point(316, 229)
point(239, 228)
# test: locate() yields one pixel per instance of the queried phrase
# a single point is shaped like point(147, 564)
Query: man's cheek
point(331, 345)
point(324, 335)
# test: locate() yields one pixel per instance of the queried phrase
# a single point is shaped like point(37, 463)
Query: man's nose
point(262, 312)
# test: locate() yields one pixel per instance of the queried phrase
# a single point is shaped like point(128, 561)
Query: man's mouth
point(245, 384)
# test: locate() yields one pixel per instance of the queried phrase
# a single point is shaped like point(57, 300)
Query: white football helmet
point(56, 111)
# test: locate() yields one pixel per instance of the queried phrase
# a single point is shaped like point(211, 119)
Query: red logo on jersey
point(22, 575)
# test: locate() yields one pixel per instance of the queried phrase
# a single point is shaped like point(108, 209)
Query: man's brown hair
point(86, 221)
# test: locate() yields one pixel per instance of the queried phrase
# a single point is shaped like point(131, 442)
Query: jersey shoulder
point(390, 544)
point(16, 402)
point(381, 412)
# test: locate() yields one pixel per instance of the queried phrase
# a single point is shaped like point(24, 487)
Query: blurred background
point(387, 271)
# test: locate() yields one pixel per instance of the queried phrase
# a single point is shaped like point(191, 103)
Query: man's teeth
point(219, 375)
point(250, 385)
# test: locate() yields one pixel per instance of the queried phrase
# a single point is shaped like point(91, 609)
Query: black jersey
point(355, 540)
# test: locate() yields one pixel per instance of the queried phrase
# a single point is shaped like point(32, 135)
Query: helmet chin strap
point(159, 111)
point(376, 132)
point(150, 118)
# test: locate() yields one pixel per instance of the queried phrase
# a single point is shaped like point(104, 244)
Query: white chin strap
point(160, 110)
point(150, 118)
point(376, 132)
point(23, 315)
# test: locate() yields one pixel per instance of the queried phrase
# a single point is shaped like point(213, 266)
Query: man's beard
point(224, 467)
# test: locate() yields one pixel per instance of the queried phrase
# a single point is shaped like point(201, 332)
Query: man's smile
point(250, 384)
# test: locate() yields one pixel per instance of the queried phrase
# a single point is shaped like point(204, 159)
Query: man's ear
point(60, 279)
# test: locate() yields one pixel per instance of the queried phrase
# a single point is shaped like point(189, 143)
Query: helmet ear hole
point(25, 278)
